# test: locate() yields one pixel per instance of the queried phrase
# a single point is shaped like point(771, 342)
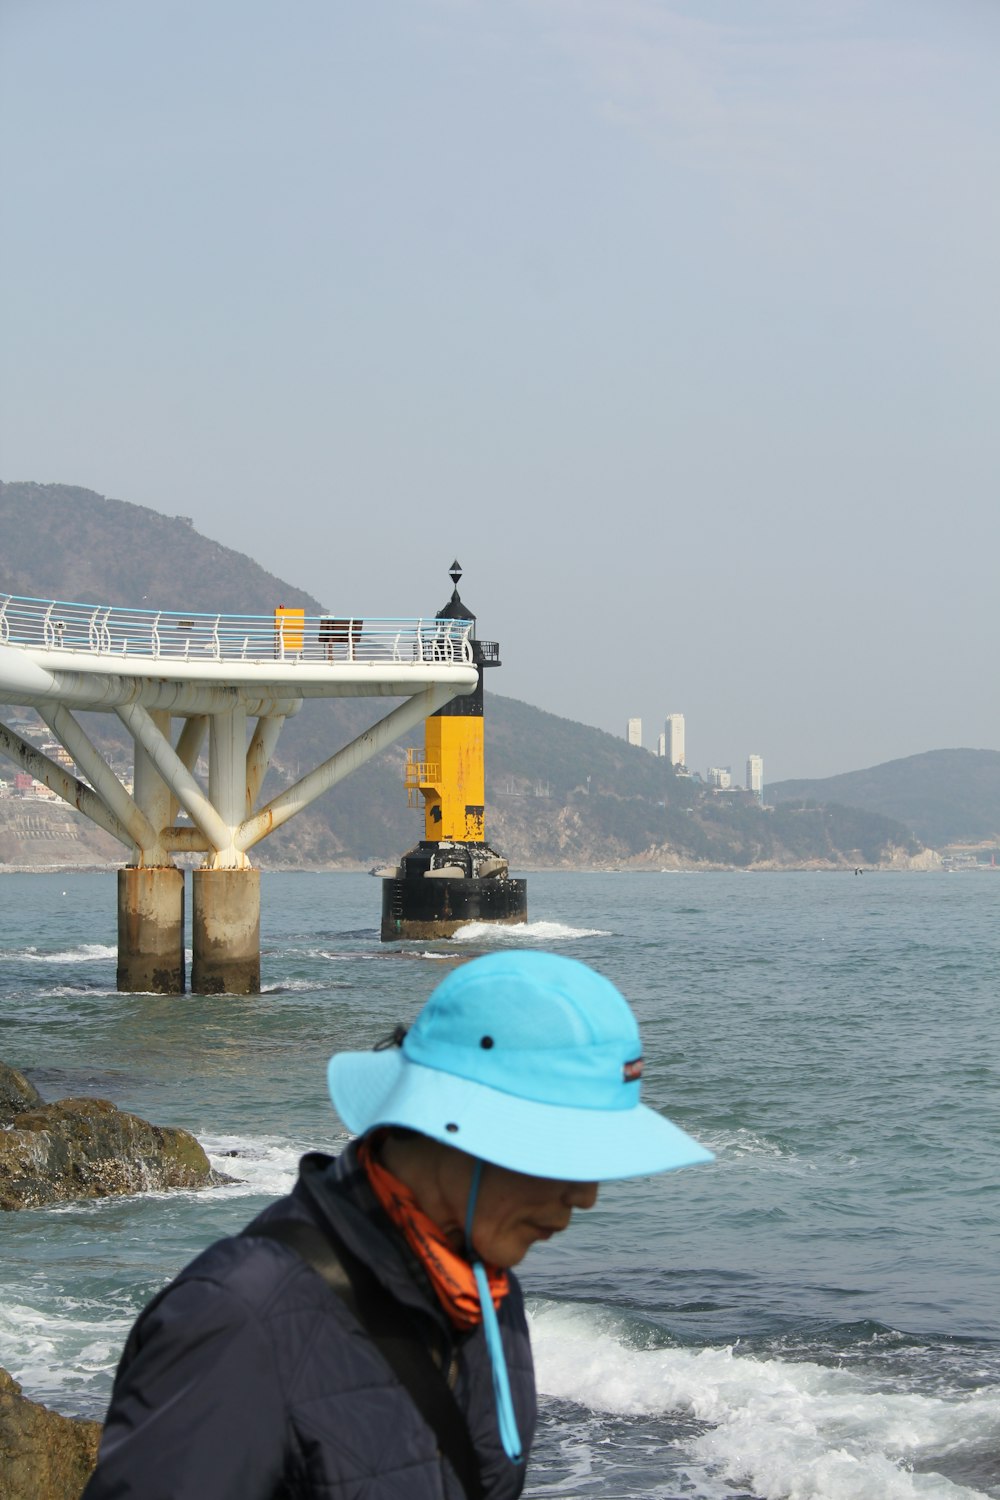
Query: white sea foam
point(787, 1431)
point(86, 953)
point(264, 1166)
point(740, 1144)
point(81, 991)
point(294, 986)
point(518, 934)
point(39, 1347)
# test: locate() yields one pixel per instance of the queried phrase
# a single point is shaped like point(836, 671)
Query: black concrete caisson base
point(431, 896)
point(437, 908)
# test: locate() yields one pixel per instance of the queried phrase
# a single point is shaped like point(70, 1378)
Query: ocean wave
point(86, 953)
point(261, 1166)
point(516, 935)
point(51, 1352)
point(81, 991)
point(784, 1430)
point(297, 986)
point(738, 1144)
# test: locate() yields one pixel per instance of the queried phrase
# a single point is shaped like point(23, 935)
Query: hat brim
point(543, 1140)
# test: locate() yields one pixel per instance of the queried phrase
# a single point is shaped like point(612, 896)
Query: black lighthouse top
point(485, 653)
point(455, 609)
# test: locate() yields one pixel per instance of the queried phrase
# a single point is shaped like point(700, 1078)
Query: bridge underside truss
point(225, 822)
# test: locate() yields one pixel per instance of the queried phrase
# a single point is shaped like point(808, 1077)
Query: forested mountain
point(942, 796)
point(68, 543)
point(557, 792)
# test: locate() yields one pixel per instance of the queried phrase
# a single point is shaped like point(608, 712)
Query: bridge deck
point(282, 655)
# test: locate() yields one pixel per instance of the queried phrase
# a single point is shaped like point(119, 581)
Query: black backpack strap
point(392, 1332)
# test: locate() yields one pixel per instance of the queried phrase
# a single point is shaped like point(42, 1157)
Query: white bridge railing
point(287, 635)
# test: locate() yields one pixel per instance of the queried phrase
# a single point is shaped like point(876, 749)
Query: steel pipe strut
point(177, 776)
point(72, 736)
point(68, 787)
point(346, 760)
point(259, 752)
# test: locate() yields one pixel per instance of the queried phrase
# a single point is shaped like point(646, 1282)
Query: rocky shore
point(49, 1153)
point(86, 1148)
point(43, 1456)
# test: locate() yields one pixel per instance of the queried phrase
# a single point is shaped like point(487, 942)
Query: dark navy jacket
point(247, 1378)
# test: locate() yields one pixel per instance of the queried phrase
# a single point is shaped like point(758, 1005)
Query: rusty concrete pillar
point(151, 930)
point(225, 936)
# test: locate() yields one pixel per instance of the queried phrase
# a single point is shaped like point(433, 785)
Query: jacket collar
point(336, 1189)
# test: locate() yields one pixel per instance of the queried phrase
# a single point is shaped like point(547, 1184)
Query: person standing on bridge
point(365, 1336)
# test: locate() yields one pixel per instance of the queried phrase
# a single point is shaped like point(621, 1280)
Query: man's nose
point(580, 1194)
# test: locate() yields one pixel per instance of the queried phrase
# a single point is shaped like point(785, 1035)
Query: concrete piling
point(151, 930)
point(225, 936)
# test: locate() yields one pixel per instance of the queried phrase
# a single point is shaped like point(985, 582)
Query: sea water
point(815, 1315)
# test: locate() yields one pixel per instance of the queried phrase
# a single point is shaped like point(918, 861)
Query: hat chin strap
point(507, 1422)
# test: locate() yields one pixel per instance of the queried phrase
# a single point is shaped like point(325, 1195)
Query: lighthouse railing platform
point(287, 635)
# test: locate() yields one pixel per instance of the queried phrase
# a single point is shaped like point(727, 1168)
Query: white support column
point(188, 747)
point(265, 738)
point(227, 781)
point(71, 735)
point(191, 739)
point(152, 793)
point(183, 785)
point(304, 792)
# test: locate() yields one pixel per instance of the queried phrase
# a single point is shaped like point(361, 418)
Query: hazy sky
point(678, 324)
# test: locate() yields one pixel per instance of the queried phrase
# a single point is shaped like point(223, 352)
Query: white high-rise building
point(720, 777)
point(635, 731)
point(674, 736)
point(755, 776)
point(661, 746)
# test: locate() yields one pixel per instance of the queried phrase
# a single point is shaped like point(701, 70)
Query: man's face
point(515, 1211)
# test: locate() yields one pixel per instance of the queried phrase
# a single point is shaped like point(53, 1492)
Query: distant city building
point(635, 731)
point(755, 776)
point(720, 776)
point(661, 745)
point(674, 738)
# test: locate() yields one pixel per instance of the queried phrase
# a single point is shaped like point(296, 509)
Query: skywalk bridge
point(230, 679)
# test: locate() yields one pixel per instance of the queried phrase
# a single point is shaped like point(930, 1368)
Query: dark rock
point(86, 1148)
point(16, 1094)
point(43, 1455)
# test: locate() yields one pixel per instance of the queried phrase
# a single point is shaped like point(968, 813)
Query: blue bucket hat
point(524, 1059)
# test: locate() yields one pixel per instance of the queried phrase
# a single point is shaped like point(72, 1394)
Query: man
point(364, 1337)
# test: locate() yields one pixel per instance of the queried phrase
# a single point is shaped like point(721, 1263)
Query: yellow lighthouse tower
point(452, 876)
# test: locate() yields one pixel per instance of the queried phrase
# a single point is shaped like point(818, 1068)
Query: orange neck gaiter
point(450, 1273)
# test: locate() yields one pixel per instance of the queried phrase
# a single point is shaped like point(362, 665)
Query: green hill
point(69, 543)
point(943, 796)
point(557, 792)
